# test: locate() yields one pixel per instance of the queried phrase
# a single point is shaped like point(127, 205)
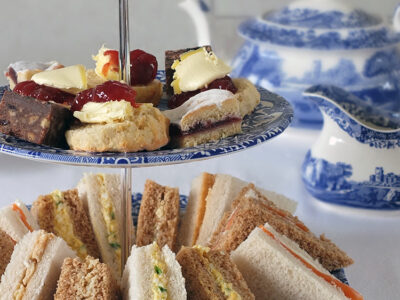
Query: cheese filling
point(160, 280)
point(31, 264)
point(63, 224)
point(226, 287)
point(108, 212)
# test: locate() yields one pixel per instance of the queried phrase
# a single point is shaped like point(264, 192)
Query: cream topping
point(105, 112)
point(206, 98)
point(196, 69)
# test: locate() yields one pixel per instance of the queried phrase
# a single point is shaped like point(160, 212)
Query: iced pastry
point(198, 70)
point(205, 117)
point(23, 70)
point(111, 120)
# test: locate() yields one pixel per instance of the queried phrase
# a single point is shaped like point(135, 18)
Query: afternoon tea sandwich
point(275, 267)
point(152, 272)
point(86, 279)
point(63, 213)
point(102, 196)
point(16, 220)
point(211, 274)
point(34, 267)
point(158, 216)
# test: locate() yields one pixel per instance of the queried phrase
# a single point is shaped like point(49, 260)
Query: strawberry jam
point(108, 91)
point(143, 67)
point(113, 63)
point(224, 83)
point(42, 92)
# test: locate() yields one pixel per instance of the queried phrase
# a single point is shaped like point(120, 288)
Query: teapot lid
point(320, 24)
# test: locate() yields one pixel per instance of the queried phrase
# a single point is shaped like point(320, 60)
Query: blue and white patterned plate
point(137, 198)
point(272, 116)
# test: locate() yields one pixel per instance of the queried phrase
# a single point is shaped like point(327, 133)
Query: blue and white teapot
point(356, 159)
point(322, 42)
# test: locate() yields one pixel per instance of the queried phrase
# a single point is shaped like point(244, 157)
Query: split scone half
point(208, 116)
point(146, 128)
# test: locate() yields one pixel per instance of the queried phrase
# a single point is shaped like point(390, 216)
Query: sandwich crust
point(158, 216)
point(86, 279)
point(44, 210)
point(6, 250)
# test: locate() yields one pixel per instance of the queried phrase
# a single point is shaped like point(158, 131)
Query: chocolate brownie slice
point(36, 121)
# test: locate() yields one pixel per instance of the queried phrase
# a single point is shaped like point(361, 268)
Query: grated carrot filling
point(348, 291)
point(16, 208)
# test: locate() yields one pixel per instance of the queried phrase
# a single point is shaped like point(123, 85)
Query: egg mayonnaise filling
point(160, 279)
point(108, 212)
point(226, 287)
point(31, 264)
point(63, 225)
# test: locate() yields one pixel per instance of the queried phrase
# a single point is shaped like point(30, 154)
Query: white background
point(70, 31)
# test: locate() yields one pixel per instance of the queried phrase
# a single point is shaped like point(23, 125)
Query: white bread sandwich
point(6, 249)
point(212, 275)
point(158, 216)
point(34, 267)
point(102, 196)
point(86, 279)
point(210, 197)
point(276, 268)
point(16, 220)
point(63, 213)
point(153, 273)
point(252, 209)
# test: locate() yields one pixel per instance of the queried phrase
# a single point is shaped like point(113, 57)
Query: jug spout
point(195, 9)
point(360, 120)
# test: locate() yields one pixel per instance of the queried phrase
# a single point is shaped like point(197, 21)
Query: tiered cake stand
point(270, 119)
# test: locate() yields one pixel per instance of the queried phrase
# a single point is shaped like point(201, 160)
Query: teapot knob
point(196, 9)
point(396, 19)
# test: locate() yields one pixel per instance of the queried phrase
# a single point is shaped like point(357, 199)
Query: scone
point(147, 129)
point(142, 73)
point(207, 116)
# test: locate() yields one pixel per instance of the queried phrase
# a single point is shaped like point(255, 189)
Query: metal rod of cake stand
point(127, 234)
point(124, 67)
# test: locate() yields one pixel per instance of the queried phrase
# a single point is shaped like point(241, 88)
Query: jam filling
point(224, 83)
point(12, 74)
point(42, 92)
point(109, 91)
point(175, 130)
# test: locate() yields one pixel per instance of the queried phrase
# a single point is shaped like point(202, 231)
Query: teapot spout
point(194, 9)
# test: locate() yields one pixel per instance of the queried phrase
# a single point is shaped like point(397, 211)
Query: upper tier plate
point(271, 117)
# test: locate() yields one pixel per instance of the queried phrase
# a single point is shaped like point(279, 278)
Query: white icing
point(21, 66)
point(206, 98)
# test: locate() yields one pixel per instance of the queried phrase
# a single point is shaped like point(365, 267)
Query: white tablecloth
point(371, 238)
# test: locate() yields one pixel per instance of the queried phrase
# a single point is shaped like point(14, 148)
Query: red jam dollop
point(108, 91)
point(224, 83)
point(143, 67)
point(113, 64)
point(42, 92)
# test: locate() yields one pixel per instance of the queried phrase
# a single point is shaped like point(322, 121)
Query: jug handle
point(196, 10)
point(396, 19)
